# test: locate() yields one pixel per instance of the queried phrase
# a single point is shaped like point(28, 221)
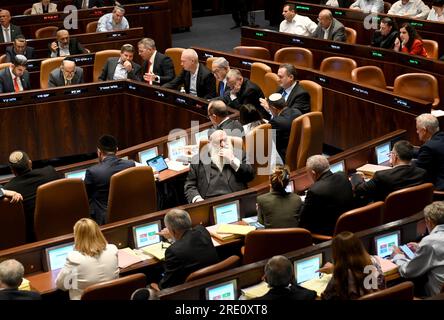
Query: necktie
point(284, 95)
point(16, 85)
point(221, 88)
point(7, 35)
point(68, 82)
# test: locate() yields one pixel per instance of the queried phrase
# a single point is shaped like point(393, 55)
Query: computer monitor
point(384, 243)
point(383, 153)
point(226, 213)
point(174, 148)
point(148, 154)
point(290, 187)
point(56, 256)
point(76, 174)
point(222, 291)
point(201, 135)
point(157, 163)
point(145, 234)
point(337, 166)
point(307, 268)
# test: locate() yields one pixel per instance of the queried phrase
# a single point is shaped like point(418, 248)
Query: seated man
point(44, 6)
point(195, 78)
point(19, 47)
point(97, 177)
point(26, 182)
point(330, 196)
point(410, 8)
point(295, 23)
point(220, 68)
point(430, 156)
point(11, 277)
point(279, 275)
point(329, 28)
point(403, 175)
point(65, 45)
point(386, 35)
point(437, 12)
point(8, 30)
point(368, 6)
point(218, 114)
point(67, 74)
point(157, 68)
point(218, 173)
point(114, 21)
point(88, 4)
point(428, 261)
point(16, 77)
point(336, 3)
point(121, 68)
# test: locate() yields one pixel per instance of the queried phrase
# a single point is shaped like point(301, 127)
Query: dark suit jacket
point(336, 32)
point(231, 127)
point(97, 180)
point(15, 294)
point(163, 67)
point(92, 3)
point(110, 67)
point(387, 181)
point(74, 47)
point(10, 53)
point(431, 158)
point(14, 30)
point(282, 125)
point(326, 200)
point(27, 185)
point(56, 78)
point(276, 210)
point(205, 83)
point(294, 292)
point(6, 84)
point(299, 98)
point(192, 252)
point(386, 42)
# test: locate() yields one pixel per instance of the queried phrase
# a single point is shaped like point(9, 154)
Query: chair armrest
point(317, 238)
point(389, 88)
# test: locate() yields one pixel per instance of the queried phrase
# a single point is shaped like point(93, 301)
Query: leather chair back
point(402, 291)
point(259, 147)
point(294, 141)
point(296, 56)
point(100, 59)
point(132, 192)
point(271, 81)
point(432, 48)
point(59, 205)
point(257, 74)
point(254, 52)
point(229, 263)
point(406, 202)
point(2, 59)
point(46, 32)
point(46, 67)
point(12, 224)
point(175, 55)
point(369, 76)
point(359, 219)
point(91, 27)
point(338, 67)
point(315, 92)
point(350, 35)
point(418, 85)
point(266, 243)
point(117, 289)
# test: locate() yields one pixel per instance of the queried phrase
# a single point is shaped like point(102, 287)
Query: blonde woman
point(92, 261)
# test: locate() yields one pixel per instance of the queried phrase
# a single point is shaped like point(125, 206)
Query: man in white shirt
point(8, 30)
point(437, 12)
point(220, 68)
point(295, 23)
point(410, 8)
point(114, 21)
point(368, 6)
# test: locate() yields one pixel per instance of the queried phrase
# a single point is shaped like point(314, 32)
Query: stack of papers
point(157, 250)
point(388, 267)
point(25, 285)
point(221, 236)
point(176, 165)
point(370, 169)
point(235, 229)
point(256, 291)
point(127, 257)
point(318, 284)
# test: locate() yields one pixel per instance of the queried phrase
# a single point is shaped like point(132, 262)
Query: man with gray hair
point(114, 21)
point(280, 278)
point(430, 156)
point(220, 68)
point(329, 28)
point(16, 77)
point(67, 74)
point(330, 196)
point(11, 277)
point(428, 259)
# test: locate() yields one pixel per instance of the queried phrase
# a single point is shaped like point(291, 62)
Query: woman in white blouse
point(44, 6)
point(92, 261)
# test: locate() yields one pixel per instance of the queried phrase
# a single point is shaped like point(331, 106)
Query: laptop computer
point(307, 268)
point(384, 243)
point(175, 148)
point(56, 256)
point(201, 135)
point(382, 152)
point(147, 154)
point(76, 174)
point(145, 235)
point(157, 163)
point(222, 291)
point(337, 166)
point(226, 213)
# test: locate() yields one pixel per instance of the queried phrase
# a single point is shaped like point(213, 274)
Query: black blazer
point(163, 67)
point(56, 78)
point(194, 251)
point(431, 158)
point(92, 3)
point(386, 42)
point(293, 292)
point(282, 125)
point(326, 200)
point(387, 181)
point(74, 48)
point(15, 31)
point(6, 84)
point(10, 53)
point(15, 294)
point(299, 98)
point(231, 126)
point(205, 83)
point(110, 67)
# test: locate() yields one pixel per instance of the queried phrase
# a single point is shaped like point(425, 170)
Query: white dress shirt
point(120, 73)
point(7, 33)
point(300, 25)
point(106, 23)
point(433, 16)
point(193, 82)
point(413, 8)
point(375, 6)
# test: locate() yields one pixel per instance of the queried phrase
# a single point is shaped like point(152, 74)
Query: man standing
point(114, 21)
point(16, 77)
point(386, 35)
point(67, 74)
point(19, 47)
point(295, 23)
point(329, 28)
point(8, 31)
point(64, 45)
point(157, 68)
point(121, 68)
point(220, 68)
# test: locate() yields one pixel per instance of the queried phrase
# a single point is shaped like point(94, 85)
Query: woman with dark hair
point(250, 117)
point(409, 41)
point(279, 208)
point(355, 272)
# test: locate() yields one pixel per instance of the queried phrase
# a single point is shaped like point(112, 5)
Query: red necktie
point(16, 85)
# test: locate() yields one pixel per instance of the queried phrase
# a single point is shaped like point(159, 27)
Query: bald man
point(67, 74)
point(195, 78)
point(8, 31)
point(65, 45)
point(329, 28)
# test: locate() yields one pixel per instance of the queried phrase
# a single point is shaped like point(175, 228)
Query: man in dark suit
point(402, 175)
point(16, 77)
point(218, 114)
point(88, 4)
point(386, 35)
point(217, 172)
point(329, 28)
point(19, 47)
point(220, 69)
point(196, 79)
point(97, 178)
point(157, 68)
point(67, 74)
point(123, 67)
point(65, 45)
point(330, 196)
point(11, 277)
point(8, 31)
point(295, 96)
point(430, 156)
point(26, 182)
point(279, 275)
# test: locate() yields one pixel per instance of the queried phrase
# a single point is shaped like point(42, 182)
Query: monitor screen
point(175, 149)
point(157, 163)
point(222, 291)
point(382, 153)
point(337, 167)
point(77, 174)
point(290, 187)
point(148, 154)
point(226, 213)
point(201, 135)
point(385, 242)
point(145, 234)
point(306, 269)
point(56, 256)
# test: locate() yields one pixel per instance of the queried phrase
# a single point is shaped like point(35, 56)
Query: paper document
point(25, 285)
point(126, 258)
point(235, 229)
point(318, 284)
point(221, 236)
point(176, 165)
point(370, 169)
point(256, 291)
point(387, 266)
point(157, 250)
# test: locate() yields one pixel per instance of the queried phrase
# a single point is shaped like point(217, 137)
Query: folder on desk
point(221, 236)
point(370, 169)
point(25, 285)
point(387, 266)
point(156, 250)
point(126, 257)
point(235, 229)
point(256, 291)
point(317, 284)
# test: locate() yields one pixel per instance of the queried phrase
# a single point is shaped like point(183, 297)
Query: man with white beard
point(217, 171)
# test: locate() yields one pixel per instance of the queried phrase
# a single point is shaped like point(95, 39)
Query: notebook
point(56, 256)
point(76, 174)
point(222, 291)
point(226, 213)
point(307, 268)
point(384, 243)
